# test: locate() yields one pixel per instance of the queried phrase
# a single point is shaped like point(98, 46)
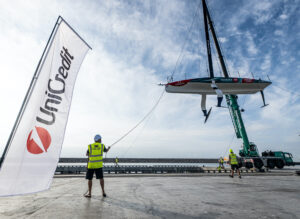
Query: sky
point(138, 44)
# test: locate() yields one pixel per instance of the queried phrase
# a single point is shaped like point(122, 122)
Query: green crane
point(249, 151)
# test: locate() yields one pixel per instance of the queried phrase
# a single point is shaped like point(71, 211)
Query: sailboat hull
point(227, 85)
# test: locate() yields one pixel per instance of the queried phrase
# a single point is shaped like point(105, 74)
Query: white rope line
point(143, 119)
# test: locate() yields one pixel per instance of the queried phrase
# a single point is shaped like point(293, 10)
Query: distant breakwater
point(143, 160)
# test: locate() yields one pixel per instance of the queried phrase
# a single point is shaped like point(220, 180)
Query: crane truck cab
point(278, 159)
point(288, 158)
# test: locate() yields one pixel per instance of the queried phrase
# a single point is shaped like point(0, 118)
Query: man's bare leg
point(90, 183)
point(102, 187)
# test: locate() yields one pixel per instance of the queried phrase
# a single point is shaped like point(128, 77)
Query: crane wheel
point(271, 163)
point(249, 165)
point(279, 164)
point(258, 163)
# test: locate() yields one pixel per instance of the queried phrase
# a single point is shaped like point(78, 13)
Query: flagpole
point(29, 91)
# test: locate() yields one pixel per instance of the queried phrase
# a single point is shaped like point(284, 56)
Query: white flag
point(32, 158)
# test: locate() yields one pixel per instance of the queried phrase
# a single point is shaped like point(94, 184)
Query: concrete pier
point(164, 196)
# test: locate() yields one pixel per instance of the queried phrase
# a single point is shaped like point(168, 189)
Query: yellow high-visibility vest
point(95, 155)
point(233, 159)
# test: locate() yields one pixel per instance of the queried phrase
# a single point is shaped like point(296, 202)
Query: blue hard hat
point(97, 137)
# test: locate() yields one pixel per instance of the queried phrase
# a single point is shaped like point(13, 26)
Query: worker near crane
point(117, 161)
point(221, 163)
point(233, 161)
point(95, 164)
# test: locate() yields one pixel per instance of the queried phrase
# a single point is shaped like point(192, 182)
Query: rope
point(138, 135)
point(188, 35)
point(291, 92)
point(134, 127)
point(227, 149)
point(159, 99)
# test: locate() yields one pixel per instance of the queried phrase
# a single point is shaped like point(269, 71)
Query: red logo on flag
point(38, 140)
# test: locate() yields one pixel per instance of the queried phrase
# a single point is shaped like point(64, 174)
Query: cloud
point(266, 63)
point(283, 16)
point(222, 39)
point(136, 45)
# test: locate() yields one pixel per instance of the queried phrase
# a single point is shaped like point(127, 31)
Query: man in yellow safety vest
point(233, 161)
point(117, 161)
point(95, 164)
point(221, 163)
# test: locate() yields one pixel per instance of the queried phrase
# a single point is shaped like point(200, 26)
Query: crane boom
point(249, 149)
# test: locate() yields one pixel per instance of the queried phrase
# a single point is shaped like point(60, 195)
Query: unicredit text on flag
point(56, 87)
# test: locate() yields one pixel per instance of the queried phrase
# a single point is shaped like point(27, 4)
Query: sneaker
point(240, 177)
point(230, 176)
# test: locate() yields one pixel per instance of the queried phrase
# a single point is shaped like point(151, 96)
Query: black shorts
point(234, 167)
point(90, 173)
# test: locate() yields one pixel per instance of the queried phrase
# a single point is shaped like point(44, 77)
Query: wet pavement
point(260, 196)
